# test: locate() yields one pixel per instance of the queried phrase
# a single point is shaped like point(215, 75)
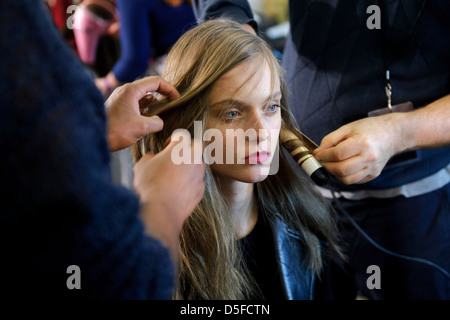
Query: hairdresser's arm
point(126, 125)
point(357, 152)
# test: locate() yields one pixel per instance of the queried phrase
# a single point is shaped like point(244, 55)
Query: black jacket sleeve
point(237, 10)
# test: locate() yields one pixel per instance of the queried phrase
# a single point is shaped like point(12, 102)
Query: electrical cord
point(379, 247)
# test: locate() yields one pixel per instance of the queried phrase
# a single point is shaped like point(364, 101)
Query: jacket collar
point(297, 281)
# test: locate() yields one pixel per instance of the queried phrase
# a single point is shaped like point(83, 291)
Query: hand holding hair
point(126, 125)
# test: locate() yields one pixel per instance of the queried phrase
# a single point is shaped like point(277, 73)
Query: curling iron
point(301, 151)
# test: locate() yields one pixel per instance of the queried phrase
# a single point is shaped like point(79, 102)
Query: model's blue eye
point(231, 114)
point(273, 108)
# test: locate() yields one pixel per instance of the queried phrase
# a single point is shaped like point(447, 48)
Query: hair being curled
point(210, 259)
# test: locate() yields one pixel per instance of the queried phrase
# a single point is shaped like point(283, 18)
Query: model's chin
point(248, 173)
point(253, 179)
point(253, 174)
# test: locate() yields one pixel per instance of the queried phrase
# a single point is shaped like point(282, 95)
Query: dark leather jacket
point(297, 281)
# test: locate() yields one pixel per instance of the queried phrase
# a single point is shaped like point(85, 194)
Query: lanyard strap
point(388, 56)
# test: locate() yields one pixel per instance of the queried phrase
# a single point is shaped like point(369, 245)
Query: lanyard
point(388, 56)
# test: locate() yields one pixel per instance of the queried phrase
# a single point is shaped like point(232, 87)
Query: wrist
point(110, 82)
point(404, 133)
point(107, 84)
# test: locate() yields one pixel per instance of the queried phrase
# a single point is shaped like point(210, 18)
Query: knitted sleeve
point(59, 207)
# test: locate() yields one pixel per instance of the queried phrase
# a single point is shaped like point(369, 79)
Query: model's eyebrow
point(240, 103)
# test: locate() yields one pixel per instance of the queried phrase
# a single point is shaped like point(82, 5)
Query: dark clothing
point(297, 280)
point(336, 74)
point(236, 10)
point(148, 29)
point(414, 227)
point(259, 255)
point(336, 69)
point(59, 207)
point(276, 256)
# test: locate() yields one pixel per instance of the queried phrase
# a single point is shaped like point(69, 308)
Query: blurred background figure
point(93, 19)
point(61, 13)
point(272, 17)
point(91, 28)
point(148, 28)
point(58, 9)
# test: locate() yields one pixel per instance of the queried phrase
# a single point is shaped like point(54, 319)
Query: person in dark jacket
point(66, 230)
point(260, 231)
point(346, 60)
point(148, 28)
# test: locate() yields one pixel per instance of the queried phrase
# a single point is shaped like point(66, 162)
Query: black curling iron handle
point(319, 175)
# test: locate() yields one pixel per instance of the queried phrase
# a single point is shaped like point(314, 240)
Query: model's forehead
point(247, 81)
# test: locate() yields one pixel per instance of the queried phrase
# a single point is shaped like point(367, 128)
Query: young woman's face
point(246, 111)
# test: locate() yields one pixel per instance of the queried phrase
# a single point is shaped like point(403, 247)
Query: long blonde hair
point(210, 260)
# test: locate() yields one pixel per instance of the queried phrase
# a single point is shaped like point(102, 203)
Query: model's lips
point(257, 157)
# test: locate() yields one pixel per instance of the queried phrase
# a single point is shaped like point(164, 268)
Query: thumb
point(151, 125)
point(332, 139)
point(141, 162)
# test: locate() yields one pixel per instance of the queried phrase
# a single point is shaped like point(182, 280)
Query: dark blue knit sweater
point(58, 206)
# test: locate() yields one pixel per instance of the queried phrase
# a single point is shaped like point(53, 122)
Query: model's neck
point(242, 204)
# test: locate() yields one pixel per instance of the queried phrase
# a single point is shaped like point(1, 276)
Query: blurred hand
point(126, 125)
point(358, 151)
point(168, 192)
point(114, 29)
point(107, 84)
